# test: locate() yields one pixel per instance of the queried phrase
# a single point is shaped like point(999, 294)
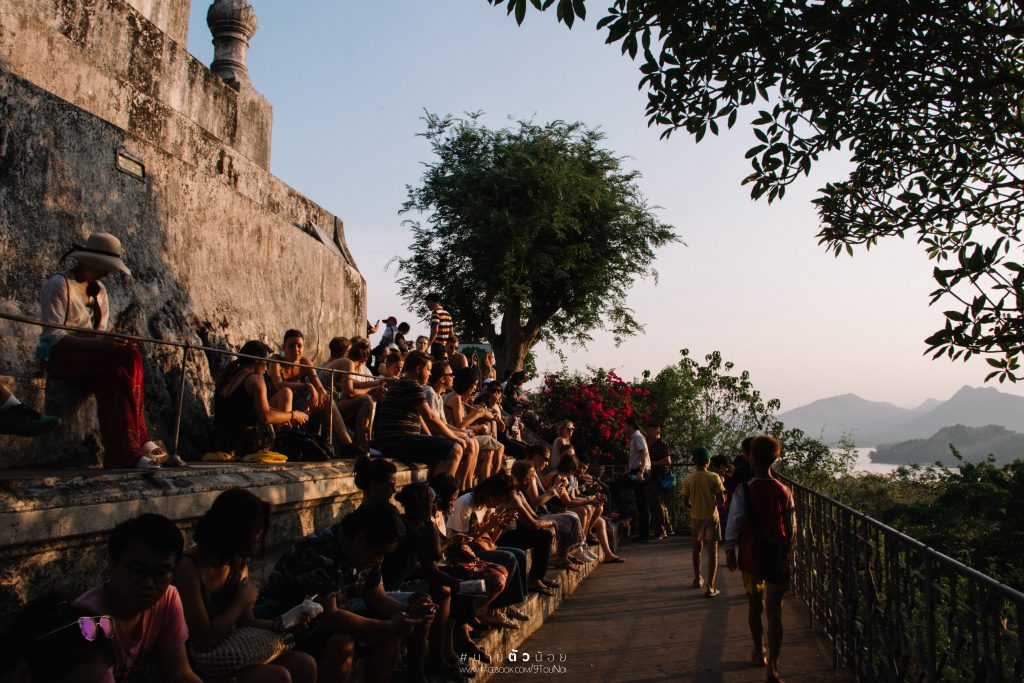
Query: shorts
point(421, 450)
point(754, 586)
point(487, 442)
point(706, 530)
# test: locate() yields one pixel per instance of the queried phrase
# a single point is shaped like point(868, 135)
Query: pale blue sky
point(349, 82)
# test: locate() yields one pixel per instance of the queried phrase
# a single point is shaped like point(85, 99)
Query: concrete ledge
point(539, 608)
point(54, 525)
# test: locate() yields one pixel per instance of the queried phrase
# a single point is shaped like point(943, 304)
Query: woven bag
point(242, 647)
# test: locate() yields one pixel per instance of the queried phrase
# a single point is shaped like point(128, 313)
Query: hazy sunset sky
point(349, 82)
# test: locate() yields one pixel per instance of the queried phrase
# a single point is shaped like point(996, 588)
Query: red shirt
point(766, 508)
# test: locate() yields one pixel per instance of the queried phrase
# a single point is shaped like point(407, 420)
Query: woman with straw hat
point(109, 367)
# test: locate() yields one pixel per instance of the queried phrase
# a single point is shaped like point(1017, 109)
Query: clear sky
point(349, 82)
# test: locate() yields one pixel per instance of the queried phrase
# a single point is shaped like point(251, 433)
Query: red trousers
point(115, 377)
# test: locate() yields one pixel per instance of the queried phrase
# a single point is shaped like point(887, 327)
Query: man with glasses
point(150, 630)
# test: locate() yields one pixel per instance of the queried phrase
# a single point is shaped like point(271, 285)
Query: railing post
point(181, 399)
point(330, 409)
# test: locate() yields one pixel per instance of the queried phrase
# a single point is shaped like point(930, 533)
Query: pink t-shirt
point(161, 629)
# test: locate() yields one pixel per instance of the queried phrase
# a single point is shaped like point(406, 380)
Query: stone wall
point(53, 530)
point(170, 16)
point(221, 251)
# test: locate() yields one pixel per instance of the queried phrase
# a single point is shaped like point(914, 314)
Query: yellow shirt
point(703, 489)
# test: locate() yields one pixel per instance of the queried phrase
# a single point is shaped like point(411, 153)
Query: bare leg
point(336, 666)
point(755, 607)
point(281, 400)
point(301, 666)
point(451, 465)
point(712, 551)
point(468, 465)
point(601, 531)
point(697, 546)
point(773, 615)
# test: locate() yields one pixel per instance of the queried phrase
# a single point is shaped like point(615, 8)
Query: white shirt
point(63, 304)
point(639, 456)
point(464, 513)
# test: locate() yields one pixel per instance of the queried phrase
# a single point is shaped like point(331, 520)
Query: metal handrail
point(186, 348)
point(897, 609)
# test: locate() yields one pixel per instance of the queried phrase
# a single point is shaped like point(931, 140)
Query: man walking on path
point(703, 492)
point(762, 520)
point(661, 466)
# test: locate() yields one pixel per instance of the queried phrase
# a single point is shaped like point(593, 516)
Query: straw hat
point(101, 251)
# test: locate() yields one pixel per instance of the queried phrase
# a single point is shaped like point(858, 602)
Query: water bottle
point(42, 355)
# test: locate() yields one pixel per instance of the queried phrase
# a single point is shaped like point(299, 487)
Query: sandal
point(542, 590)
point(498, 621)
point(153, 451)
point(146, 463)
point(712, 593)
point(614, 560)
point(550, 583)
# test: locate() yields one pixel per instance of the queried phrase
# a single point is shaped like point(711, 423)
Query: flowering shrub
point(598, 405)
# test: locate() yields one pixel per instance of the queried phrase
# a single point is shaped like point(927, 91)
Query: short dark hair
point(290, 334)
point(227, 524)
point(535, 449)
point(370, 471)
point(151, 531)
point(495, 487)
point(517, 377)
point(359, 349)
point(439, 369)
point(378, 524)
point(434, 296)
point(415, 500)
point(765, 450)
point(339, 346)
point(464, 379)
point(403, 327)
point(444, 485)
point(416, 360)
point(745, 445)
point(520, 468)
point(36, 636)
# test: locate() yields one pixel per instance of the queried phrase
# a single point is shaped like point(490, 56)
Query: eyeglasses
point(89, 626)
point(161, 574)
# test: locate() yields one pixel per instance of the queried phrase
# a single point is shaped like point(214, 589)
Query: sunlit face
point(421, 344)
point(568, 431)
point(293, 349)
point(489, 358)
point(424, 375)
point(394, 369)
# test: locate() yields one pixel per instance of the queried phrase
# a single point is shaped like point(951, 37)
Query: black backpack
point(303, 447)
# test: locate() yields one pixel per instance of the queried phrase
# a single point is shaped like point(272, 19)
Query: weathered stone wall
point(170, 16)
point(53, 530)
point(221, 251)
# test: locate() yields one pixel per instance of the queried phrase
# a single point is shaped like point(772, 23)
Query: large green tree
point(926, 96)
point(529, 234)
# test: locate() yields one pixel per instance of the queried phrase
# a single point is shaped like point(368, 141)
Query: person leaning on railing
point(109, 367)
point(244, 416)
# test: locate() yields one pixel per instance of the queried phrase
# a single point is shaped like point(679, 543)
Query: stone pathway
point(643, 621)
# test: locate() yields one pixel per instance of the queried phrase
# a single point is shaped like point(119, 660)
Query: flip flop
point(614, 560)
point(543, 590)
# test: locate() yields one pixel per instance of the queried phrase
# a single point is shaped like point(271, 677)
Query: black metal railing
point(186, 350)
point(897, 610)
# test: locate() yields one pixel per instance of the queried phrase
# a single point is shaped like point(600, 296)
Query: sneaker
point(23, 421)
point(712, 593)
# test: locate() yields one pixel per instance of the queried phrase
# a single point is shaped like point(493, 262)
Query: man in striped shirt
point(441, 328)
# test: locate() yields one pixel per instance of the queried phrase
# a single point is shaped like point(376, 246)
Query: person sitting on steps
point(17, 419)
point(109, 367)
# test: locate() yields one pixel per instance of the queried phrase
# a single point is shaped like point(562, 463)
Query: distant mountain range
point(872, 423)
point(973, 443)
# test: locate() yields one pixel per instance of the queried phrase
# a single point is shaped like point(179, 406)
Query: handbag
point(666, 480)
point(246, 646)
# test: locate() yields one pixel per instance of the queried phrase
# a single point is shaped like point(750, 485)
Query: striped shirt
point(443, 320)
point(397, 415)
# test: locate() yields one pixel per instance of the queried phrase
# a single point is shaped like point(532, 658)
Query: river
point(864, 463)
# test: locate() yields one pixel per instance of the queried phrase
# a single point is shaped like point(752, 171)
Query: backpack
point(303, 447)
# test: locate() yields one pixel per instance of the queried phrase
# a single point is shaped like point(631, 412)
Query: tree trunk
point(512, 345)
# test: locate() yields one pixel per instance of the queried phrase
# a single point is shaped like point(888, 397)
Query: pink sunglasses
point(90, 627)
